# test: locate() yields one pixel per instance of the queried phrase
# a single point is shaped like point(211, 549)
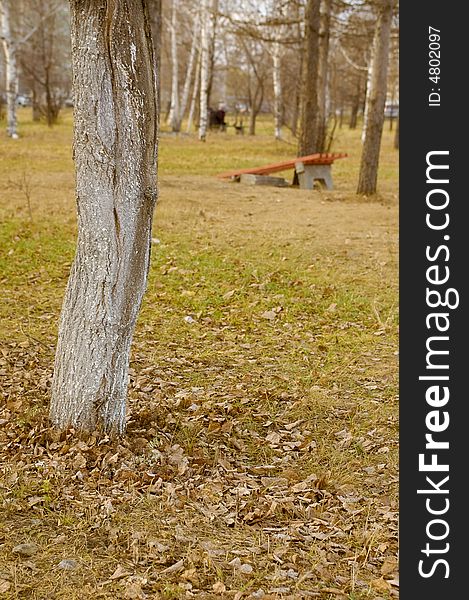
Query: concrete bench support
point(251, 179)
point(308, 174)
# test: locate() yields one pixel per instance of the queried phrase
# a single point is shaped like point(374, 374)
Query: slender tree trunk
point(190, 68)
point(174, 119)
point(36, 112)
point(213, 19)
point(396, 134)
point(355, 106)
point(323, 78)
point(376, 99)
point(11, 69)
point(204, 69)
point(366, 99)
point(277, 82)
point(115, 148)
point(308, 140)
point(195, 93)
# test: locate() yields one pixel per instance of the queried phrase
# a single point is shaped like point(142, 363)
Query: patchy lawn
point(261, 454)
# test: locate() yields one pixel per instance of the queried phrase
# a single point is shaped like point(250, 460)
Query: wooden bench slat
point(311, 159)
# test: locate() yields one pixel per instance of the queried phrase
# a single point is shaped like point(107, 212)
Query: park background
point(260, 458)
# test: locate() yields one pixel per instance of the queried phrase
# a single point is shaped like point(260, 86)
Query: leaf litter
point(261, 453)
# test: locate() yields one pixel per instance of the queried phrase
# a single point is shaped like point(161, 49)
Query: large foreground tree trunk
point(308, 142)
point(376, 98)
point(115, 149)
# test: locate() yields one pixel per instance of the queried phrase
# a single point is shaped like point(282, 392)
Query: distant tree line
point(315, 65)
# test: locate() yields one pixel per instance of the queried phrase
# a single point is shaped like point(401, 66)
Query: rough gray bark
point(376, 98)
point(11, 69)
point(115, 151)
point(154, 11)
point(308, 138)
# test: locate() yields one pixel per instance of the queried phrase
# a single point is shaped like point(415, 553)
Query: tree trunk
point(190, 68)
point(115, 150)
point(376, 98)
point(308, 139)
point(195, 93)
point(36, 111)
point(355, 106)
point(396, 135)
point(156, 24)
point(174, 119)
point(213, 19)
point(11, 69)
point(204, 68)
point(277, 82)
point(323, 62)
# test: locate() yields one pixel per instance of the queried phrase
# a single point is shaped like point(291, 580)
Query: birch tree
point(195, 94)
point(204, 66)
point(277, 72)
point(174, 117)
point(10, 49)
point(277, 85)
point(376, 98)
point(45, 57)
point(12, 42)
point(115, 151)
point(190, 66)
point(209, 10)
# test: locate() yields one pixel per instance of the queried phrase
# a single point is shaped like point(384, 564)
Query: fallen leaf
point(68, 564)
point(119, 573)
point(4, 586)
point(245, 568)
point(389, 566)
point(25, 549)
point(218, 587)
point(178, 566)
point(380, 585)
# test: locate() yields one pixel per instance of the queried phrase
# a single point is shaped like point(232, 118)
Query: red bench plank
point(311, 159)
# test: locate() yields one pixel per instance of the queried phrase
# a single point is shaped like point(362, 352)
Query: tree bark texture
point(308, 138)
point(115, 152)
point(204, 68)
point(376, 98)
point(156, 24)
point(174, 118)
point(190, 67)
point(277, 84)
point(11, 67)
point(323, 75)
point(195, 94)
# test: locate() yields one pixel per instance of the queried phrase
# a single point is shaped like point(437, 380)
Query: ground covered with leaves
point(260, 459)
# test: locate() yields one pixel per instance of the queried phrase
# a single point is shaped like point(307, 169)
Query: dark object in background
point(216, 119)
